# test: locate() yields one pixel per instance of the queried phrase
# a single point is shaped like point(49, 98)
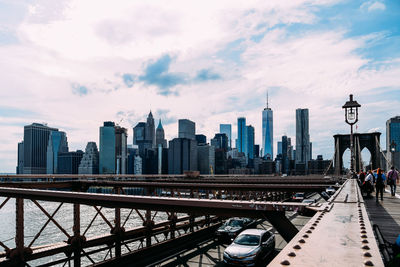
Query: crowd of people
point(377, 180)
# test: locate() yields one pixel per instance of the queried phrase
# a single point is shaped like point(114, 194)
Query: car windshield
point(299, 195)
point(235, 223)
point(308, 201)
point(247, 240)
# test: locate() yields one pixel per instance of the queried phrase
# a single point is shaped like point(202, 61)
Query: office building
point(36, 139)
point(187, 129)
point(279, 148)
point(182, 155)
point(68, 162)
point(150, 130)
point(139, 133)
point(201, 139)
point(90, 160)
point(250, 141)
point(256, 151)
point(206, 159)
point(285, 155)
point(160, 136)
point(242, 136)
point(393, 142)
point(20, 163)
point(302, 138)
point(267, 132)
point(113, 149)
point(220, 141)
point(227, 129)
point(57, 144)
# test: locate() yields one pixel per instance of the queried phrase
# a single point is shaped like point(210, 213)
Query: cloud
point(207, 75)
point(157, 73)
point(80, 90)
point(373, 6)
point(128, 79)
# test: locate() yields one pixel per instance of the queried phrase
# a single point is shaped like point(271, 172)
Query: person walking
point(393, 178)
point(369, 183)
point(379, 183)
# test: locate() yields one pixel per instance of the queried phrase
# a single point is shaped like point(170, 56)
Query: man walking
point(379, 183)
point(393, 177)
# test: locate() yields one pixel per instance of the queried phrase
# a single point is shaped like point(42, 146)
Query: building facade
point(20, 163)
point(90, 160)
point(182, 155)
point(57, 144)
point(242, 135)
point(150, 130)
point(36, 139)
point(393, 142)
point(187, 129)
point(227, 129)
point(250, 141)
point(268, 133)
point(220, 141)
point(68, 162)
point(206, 159)
point(302, 138)
point(160, 136)
point(113, 154)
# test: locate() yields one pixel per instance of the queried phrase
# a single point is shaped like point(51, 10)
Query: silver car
point(250, 247)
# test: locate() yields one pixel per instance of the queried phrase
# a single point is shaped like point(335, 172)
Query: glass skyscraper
point(267, 133)
point(250, 141)
point(393, 133)
point(57, 144)
point(302, 137)
point(107, 157)
point(242, 136)
point(227, 129)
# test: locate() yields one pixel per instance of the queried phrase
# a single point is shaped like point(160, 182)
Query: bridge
point(143, 219)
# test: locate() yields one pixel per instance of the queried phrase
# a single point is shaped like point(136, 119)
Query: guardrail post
point(77, 235)
point(117, 228)
point(149, 225)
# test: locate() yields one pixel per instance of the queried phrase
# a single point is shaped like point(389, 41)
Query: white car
point(250, 248)
point(298, 197)
point(330, 190)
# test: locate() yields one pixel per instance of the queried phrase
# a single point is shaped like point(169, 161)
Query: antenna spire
point(267, 100)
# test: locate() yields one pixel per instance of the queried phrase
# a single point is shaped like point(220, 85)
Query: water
point(34, 219)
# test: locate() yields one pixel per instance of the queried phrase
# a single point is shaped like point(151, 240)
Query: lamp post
point(393, 149)
point(351, 118)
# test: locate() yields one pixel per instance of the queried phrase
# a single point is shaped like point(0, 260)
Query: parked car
point(330, 190)
point(232, 227)
point(250, 248)
point(298, 197)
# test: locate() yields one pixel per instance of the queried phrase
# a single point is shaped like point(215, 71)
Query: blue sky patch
point(207, 75)
point(80, 90)
point(129, 79)
point(11, 112)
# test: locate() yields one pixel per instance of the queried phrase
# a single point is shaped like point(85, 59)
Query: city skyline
point(208, 62)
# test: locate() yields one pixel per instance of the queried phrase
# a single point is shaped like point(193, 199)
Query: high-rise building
point(113, 149)
point(279, 148)
point(393, 133)
point(36, 138)
point(187, 129)
point(393, 141)
point(182, 155)
point(285, 155)
point(250, 141)
point(57, 144)
point(68, 162)
point(201, 139)
point(139, 133)
point(150, 130)
point(227, 129)
point(242, 135)
point(220, 141)
point(20, 166)
point(302, 137)
point(206, 159)
point(268, 132)
point(160, 136)
point(90, 160)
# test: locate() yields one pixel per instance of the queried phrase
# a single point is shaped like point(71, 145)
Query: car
point(298, 197)
point(250, 248)
point(330, 190)
point(232, 227)
point(309, 201)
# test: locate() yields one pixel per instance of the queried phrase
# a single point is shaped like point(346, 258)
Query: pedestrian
point(379, 183)
point(393, 178)
point(368, 183)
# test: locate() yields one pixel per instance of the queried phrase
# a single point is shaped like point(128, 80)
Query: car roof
point(253, 232)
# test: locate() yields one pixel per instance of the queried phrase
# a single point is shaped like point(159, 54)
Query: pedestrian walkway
point(386, 214)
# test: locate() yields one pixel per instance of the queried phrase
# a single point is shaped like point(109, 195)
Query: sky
point(74, 64)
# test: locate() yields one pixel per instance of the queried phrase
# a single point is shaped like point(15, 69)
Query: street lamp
point(351, 118)
point(393, 149)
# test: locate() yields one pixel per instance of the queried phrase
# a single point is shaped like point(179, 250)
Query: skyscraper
point(20, 166)
point(139, 133)
point(242, 135)
point(220, 141)
point(250, 142)
point(187, 129)
point(36, 138)
point(302, 137)
point(150, 130)
point(227, 129)
point(393, 133)
point(90, 160)
point(68, 162)
point(57, 144)
point(267, 132)
point(160, 136)
point(182, 155)
point(113, 149)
